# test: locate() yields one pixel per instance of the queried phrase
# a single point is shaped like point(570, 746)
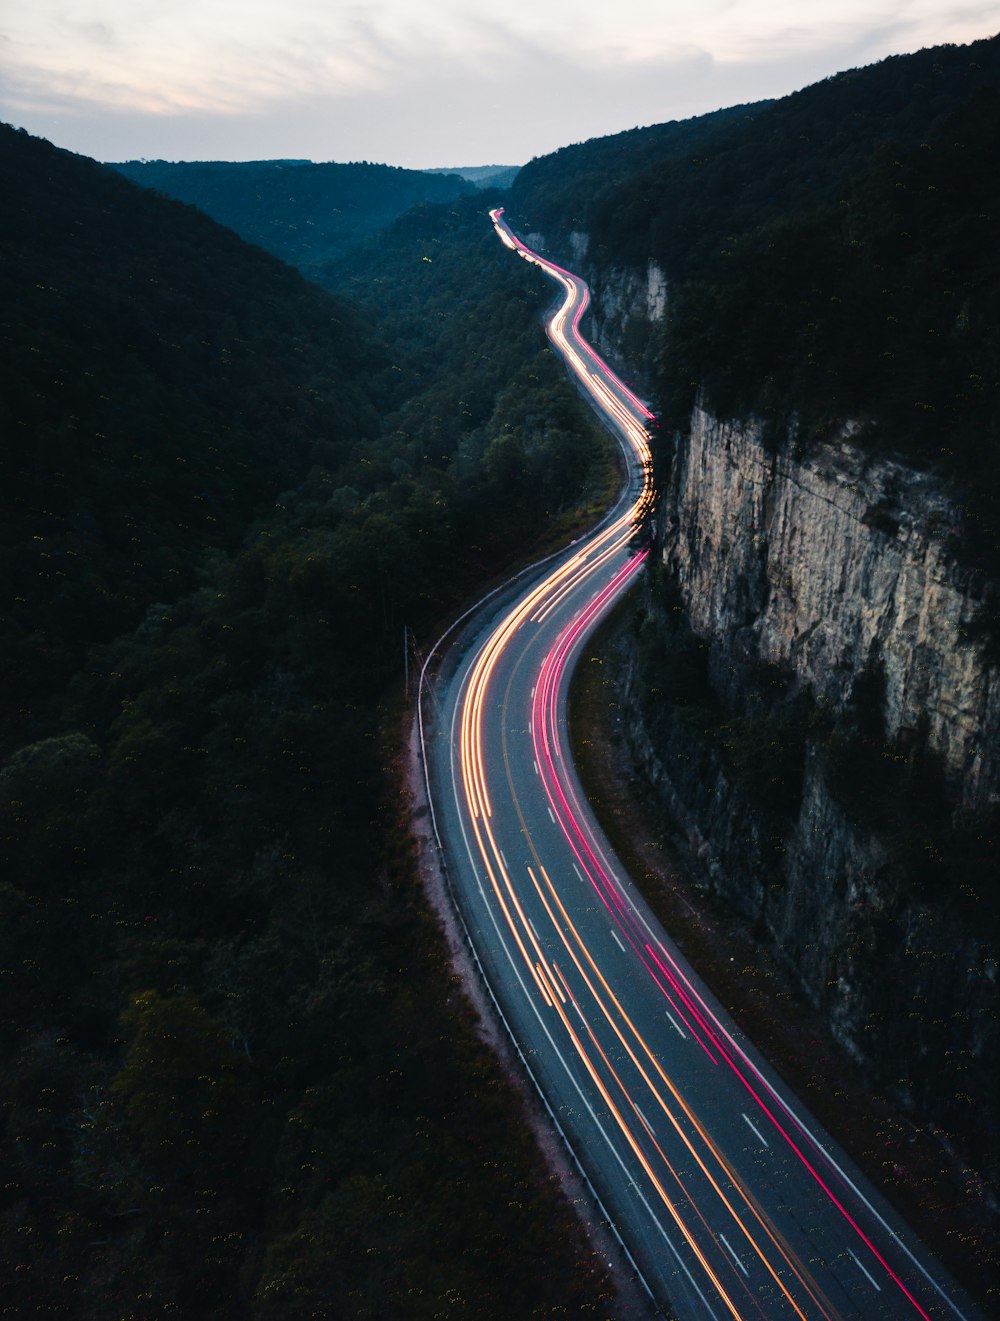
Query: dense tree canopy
point(303, 212)
point(238, 1082)
point(831, 256)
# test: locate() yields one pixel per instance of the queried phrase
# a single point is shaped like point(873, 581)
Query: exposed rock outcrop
point(828, 565)
point(805, 695)
point(832, 773)
point(626, 304)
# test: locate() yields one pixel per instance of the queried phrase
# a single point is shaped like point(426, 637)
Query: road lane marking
point(533, 931)
point(616, 940)
point(800, 1124)
point(678, 1029)
point(537, 771)
point(725, 1243)
point(760, 1135)
point(503, 860)
point(579, 873)
point(652, 1132)
point(861, 1268)
point(551, 814)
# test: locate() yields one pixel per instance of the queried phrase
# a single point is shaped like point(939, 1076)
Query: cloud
point(425, 81)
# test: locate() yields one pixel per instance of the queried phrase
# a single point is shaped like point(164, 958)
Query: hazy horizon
point(412, 83)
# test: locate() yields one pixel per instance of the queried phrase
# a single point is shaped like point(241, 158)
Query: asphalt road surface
point(728, 1198)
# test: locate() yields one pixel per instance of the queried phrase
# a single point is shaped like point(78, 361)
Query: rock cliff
point(828, 565)
point(806, 691)
point(627, 304)
point(830, 771)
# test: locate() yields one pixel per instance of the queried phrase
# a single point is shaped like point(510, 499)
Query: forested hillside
point(161, 382)
point(831, 256)
point(237, 1081)
point(484, 176)
point(560, 192)
point(302, 212)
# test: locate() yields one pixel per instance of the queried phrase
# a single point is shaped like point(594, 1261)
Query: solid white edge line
point(871, 1279)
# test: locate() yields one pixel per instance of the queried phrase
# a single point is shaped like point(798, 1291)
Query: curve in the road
point(724, 1212)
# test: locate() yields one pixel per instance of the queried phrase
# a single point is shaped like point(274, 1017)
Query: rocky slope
point(832, 564)
point(831, 770)
point(813, 695)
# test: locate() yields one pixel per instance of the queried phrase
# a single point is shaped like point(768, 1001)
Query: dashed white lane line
point(614, 937)
point(725, 1243)
point(760, 1135)
point(649, 1126)
point(677, 1027)
point(866, 1273)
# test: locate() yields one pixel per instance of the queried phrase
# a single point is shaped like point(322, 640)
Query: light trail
point(536, 607)
point(603, 995)
point(545, 724)
point(722, 1236)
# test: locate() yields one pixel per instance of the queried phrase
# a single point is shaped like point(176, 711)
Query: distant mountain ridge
point(305, 213)
point(483, 176)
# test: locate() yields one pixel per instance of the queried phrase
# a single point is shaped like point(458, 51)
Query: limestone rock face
point(627, 303)
point(818, 568)
point(815, 569)
point(828, 565)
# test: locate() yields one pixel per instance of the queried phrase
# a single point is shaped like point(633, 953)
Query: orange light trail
point(762, 1238)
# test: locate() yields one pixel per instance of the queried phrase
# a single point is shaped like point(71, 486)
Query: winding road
point(727, 1198)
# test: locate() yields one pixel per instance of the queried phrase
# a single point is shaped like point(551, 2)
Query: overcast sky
point(423, 82)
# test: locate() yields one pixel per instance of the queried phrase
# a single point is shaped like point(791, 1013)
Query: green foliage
point(159, 383)
point(181, 1086)
point(306, 214)
point(830, 256)
point(233, 1060)
point(560, 192)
